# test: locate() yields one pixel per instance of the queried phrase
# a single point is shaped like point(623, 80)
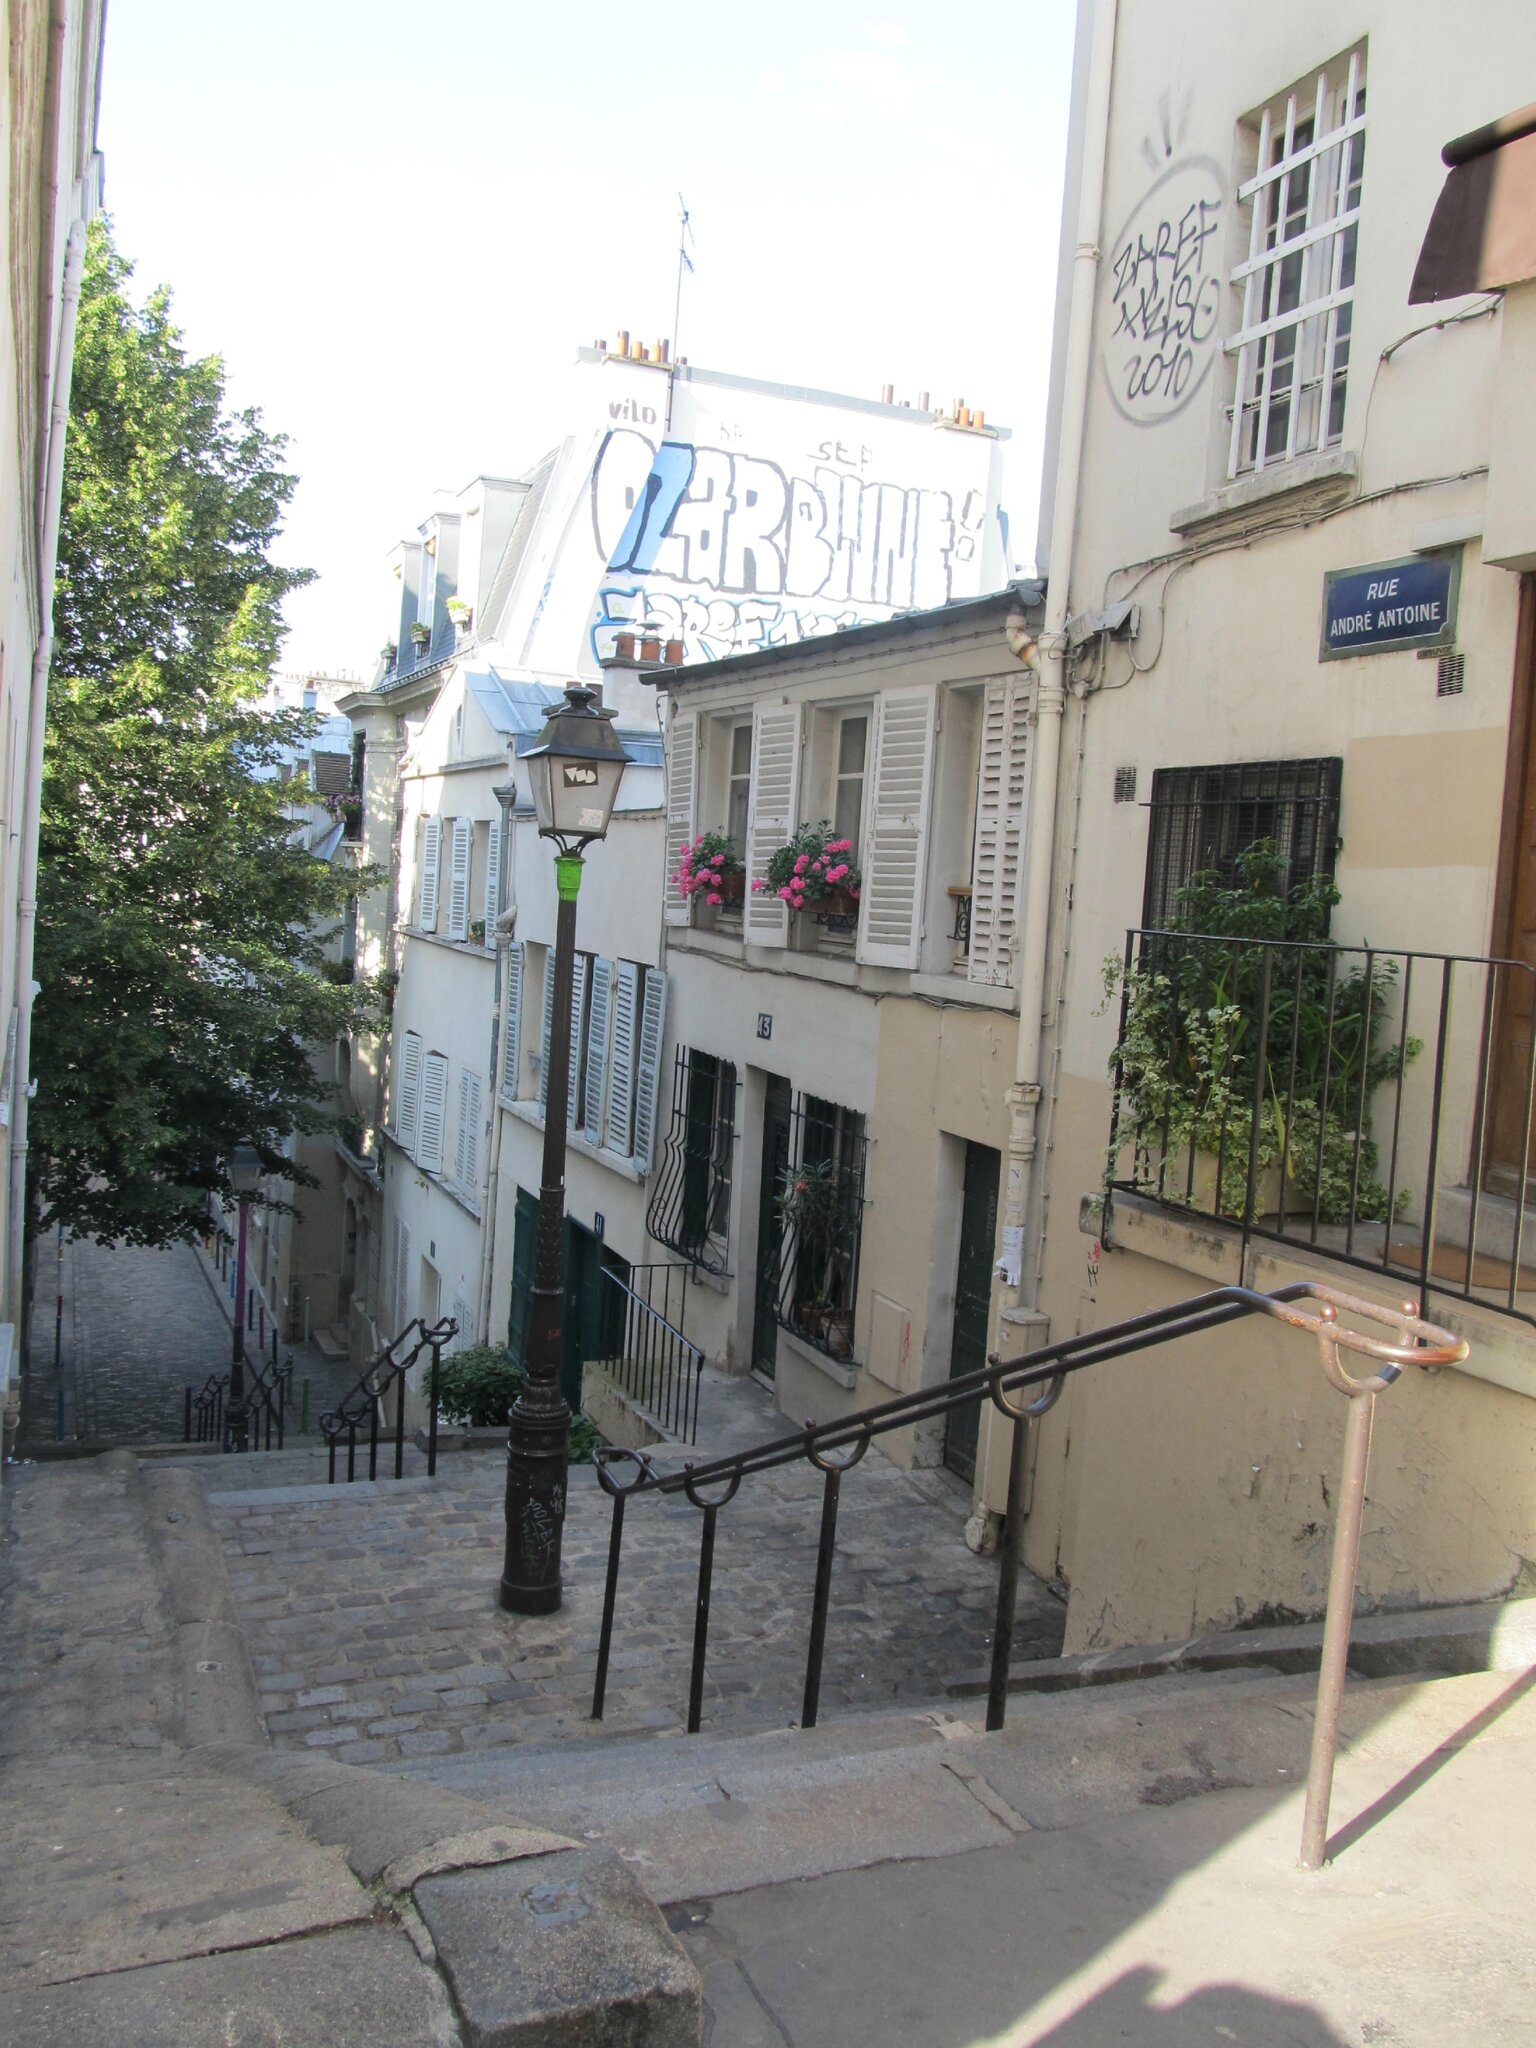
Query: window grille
point(1203, 818)
point(820, 1205)
point(1298, 282)
point(690, 1210)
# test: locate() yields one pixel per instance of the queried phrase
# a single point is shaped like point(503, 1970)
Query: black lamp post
point(575, 771)
point(244, 1178)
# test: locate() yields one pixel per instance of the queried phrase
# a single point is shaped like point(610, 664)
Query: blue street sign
point(1390, 605)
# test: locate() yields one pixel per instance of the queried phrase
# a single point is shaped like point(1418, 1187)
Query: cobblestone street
point(372, 1619)
point(139, 1326)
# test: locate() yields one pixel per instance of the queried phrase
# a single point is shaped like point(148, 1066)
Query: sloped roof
point(494, 602)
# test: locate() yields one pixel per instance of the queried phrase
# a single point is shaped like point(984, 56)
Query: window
point(408, 1097)
point(848, 785)
point(691, 1208)
point(466, 1159)
point(434, 1112)
point(461, 841)
point(617, 1012)
point(739, 786)
point(820, 1202)
point(1298, 281)
point(1203, 818)
point(431, 868)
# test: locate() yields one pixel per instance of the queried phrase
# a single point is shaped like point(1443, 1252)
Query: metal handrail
point(362, 1402)
point(835, 1447)
point(657, 1364)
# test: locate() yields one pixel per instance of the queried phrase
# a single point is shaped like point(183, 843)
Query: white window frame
point(1323, 245)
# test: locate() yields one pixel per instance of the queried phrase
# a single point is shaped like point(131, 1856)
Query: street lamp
point(575, 771)
point(244, 1178)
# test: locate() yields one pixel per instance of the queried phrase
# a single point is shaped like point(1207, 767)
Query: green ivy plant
point(477, 1386)
point(1194, 1015)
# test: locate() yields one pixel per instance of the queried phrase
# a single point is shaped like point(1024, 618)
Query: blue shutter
point(597, 1051)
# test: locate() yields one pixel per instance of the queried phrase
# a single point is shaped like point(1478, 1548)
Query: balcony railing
point(1371, 1105)
point(820, 1203)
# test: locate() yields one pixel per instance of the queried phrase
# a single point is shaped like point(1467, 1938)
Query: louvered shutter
point(897, 802)
point(512, 1029)
point(597, 1051)
point(462, 1338)
point(434, 1111)
point(460, 843)
point(466, 1158)
point(402, 1303)
point(431, 864)
point(492, 879)
point(996, 869)
point(580, 970)
point(544, 1030)
point(771, 819)
point(648, 1065)
point(682, 782)
point(621, 1058)
point(408, 1102)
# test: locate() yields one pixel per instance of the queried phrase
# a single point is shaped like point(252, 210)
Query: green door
point(594, 1308)
point(770, 1228)
point(973, 1299)
point(525, 1235)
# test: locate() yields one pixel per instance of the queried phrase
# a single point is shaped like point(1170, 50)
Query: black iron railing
point(655, 1364)
point(960, 930)
point(690, 1207)
point(1354, 1100)
point(1023, 1389)
point(360, 1413)
point(819, 1207)
point(268, 1396)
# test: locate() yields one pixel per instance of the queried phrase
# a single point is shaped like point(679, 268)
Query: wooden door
point(1509, 1138)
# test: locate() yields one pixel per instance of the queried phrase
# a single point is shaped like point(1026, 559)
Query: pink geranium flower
point(836, 874)
point(714, 897)
point(802, 862)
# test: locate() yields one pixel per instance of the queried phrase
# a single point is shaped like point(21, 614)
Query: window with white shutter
point(431, 864)
point(682, 784)
point(648, 1065)
point(625, 998)
point(770, 814)
point(595, 1087)
point(896, 811)
point(463, 1336)
point(408, 1099)
point(512, 1023)
point(581, 967)
point(466, 1158)
point(460, 843)
point(544, 1029)
point(434, 1111)
point(492, 881)
point(996, 867)
point(402, 1280)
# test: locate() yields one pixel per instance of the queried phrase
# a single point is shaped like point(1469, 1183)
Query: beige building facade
point(1289, 529)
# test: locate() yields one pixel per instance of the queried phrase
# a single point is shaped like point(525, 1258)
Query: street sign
point(1386, 606)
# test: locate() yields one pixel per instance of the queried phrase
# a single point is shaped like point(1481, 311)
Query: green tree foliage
point(178, 918)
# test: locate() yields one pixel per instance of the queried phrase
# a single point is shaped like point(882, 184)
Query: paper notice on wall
point(1011, 1260)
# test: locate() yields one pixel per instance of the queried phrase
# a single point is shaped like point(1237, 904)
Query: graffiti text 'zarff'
point(735, 522)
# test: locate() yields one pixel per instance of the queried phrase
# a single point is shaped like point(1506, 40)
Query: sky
point(397, 223)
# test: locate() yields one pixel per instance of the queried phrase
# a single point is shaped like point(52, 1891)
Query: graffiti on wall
point(1165, 284)
point(728, 553)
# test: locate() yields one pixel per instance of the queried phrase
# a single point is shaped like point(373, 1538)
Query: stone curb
point(1495, 1635)
point(215, 1681)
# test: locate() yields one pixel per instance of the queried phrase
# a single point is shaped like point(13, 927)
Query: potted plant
point(711, 873)
point(421, 634)
point(387, 653)
point(814, 871)
point(477, 931)
point(462, 614)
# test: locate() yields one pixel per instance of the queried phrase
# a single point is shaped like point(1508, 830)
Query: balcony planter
point(710, 874)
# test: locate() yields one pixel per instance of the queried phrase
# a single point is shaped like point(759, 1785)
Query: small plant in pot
point(815, 869)
point(812, 1201)
point(711, 871)
point(421, 634)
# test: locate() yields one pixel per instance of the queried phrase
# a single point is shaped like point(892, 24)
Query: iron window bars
point(1203, 818)
point(1356, 1101)
point(690, 1210)
point(820, 1211)
point(1298, 281)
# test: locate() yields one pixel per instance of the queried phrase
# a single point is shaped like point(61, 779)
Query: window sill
point(475, 948)
point(843, 1372)
point(954, 988)
point(1331, 474)
point(530, 1113)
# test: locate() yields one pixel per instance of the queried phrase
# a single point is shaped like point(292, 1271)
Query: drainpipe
point(1050, 661)
point(50, 500)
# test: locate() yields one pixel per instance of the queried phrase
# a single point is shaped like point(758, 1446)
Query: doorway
point(770, 1227)
point(973, 1300)
point(1510, 1171)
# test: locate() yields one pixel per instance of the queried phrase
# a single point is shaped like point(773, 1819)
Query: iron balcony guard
point(1337, 1097)
point(362, 1404)
point(836, 1447)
